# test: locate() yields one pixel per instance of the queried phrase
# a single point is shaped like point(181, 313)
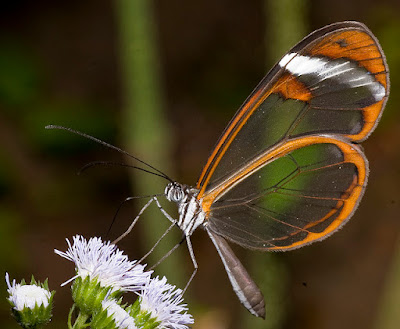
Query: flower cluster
point(103, 274)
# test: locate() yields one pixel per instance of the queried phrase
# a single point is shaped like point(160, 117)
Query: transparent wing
point(302, 192)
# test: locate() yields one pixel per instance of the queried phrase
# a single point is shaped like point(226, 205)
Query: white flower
point(27, 295)
point(164, 302)
point(106, 263)
point(31, 303)
point(121, 318)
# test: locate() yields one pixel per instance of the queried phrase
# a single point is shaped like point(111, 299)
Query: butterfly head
point(175, 192)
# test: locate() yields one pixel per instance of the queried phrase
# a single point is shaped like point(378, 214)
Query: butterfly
point(288, 169)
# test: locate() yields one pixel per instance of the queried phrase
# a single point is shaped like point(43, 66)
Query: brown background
point(60, 63)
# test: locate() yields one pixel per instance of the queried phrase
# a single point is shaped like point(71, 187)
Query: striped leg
point(190, 248)
point(168, 253)
point(167, 215)
point(173, 223)
point(123, 235)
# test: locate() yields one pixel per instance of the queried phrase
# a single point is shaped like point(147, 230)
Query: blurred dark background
point(161, 79)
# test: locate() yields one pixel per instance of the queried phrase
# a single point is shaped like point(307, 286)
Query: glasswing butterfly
point(288, 170)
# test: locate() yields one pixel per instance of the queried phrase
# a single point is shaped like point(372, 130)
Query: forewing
point(334, 82)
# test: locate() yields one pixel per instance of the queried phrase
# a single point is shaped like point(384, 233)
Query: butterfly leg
point(190, 248)
point(168, 253)
point(123, 235)
point(173, 221)
point(156, 244)
point(167, 215)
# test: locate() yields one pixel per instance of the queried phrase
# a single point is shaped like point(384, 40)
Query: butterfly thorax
point(191, 214)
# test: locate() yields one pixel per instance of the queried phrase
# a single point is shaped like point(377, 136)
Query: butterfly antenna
point(120, 164)
point(109, 146)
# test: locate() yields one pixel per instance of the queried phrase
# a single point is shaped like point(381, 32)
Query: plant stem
point(80, 321)
point(144, 127)
point(70, 316)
